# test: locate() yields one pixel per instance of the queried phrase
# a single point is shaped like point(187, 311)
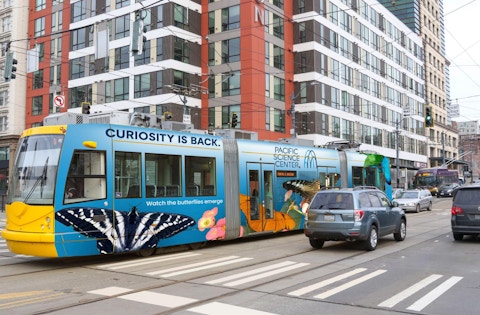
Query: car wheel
point(417, 209)
point(429, 207)
point(402, 231)
point(372, 240)
point(457, 236)
point(316, 243)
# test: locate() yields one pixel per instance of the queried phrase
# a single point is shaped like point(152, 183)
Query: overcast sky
point(462, 35)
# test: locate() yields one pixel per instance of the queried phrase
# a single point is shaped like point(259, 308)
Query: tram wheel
point(146, 252)
point(197, 245)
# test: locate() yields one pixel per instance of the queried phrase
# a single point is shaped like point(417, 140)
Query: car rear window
point(467, 197)
point(332, 201)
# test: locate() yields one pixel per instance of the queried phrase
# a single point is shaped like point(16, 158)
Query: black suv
point(353, 214)
point(466, 211)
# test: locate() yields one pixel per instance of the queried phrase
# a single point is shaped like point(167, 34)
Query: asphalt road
point(428, 273)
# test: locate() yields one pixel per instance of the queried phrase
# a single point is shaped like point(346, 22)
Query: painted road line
point(197, 266)
point(110, 291)
point(159, 299)
point(350, 284)
point(217, 308)
point(249, 273)
point(394, 300)
point(434, 294)
point(324, 283)
point(265, 274)
point(130, 263)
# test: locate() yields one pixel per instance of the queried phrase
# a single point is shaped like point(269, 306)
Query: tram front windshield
point(35, 170)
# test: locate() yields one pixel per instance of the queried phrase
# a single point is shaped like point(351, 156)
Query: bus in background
point(433, 178)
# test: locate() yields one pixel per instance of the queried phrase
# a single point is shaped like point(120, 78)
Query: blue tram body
point(93, 189)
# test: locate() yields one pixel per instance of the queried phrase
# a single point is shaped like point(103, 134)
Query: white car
point(415, 200)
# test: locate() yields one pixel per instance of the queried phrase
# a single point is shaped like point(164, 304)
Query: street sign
point(59, 101)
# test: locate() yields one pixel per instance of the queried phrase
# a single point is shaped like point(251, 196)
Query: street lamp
point(292, 108)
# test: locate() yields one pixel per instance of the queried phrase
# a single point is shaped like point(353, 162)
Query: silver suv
point(353, 214)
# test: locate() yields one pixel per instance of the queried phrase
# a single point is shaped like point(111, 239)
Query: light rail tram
point(90, 189)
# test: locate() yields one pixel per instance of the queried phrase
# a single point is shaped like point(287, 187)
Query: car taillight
point(457, 210)
point(358, 214)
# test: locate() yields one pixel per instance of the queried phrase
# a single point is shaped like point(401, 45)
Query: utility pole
point(397, 149)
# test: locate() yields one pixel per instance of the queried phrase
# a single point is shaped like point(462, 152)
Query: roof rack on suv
point(365, 187)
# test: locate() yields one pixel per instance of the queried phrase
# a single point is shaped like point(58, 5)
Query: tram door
point(328, 176)
point(260, 189)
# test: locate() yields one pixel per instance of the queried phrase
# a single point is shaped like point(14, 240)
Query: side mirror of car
point(395, 204)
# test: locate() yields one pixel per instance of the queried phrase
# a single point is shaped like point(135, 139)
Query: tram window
point(357, 176)
point(162, 175)
point(200, 176)
point(86, 178)
point(128, 175)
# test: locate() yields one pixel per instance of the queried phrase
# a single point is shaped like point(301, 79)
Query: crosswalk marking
point(249, 273)
point(350, 284)
point(148, 297)
point(166, 273)
point(158, 299)
point(391, 302)
point(324, 283)
point(217, 308)
point(434, 294)
point(146, 261)
point(265, 274)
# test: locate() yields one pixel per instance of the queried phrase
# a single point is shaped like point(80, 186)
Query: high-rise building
point(426, 18)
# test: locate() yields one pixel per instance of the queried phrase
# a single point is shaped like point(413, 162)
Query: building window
point(142, 85)
point(40, 4)
point(231, 86)
point(278, 89)
point(121, 3)
point(180, 16)
point(227, 114)
point(278, 57)
point(79, 94)
point(81, 38)
point(278, 3)
point(279, 120)
point(231, 50)
point(278, 26)
point(6, 24)
point(39, 27)
point(231, 18)
point(181, 50)
point(121, 89)
point(181, 78)
point(79, 10)
point(122, 26)
point(144, 57)
point(159, 49)
point(159, 85)
point(77, 68)
point(4, 127)
point(4, 98)
point(38, 79)
point(36, 105)
point(211, 22)
point(122, 58)
point(157, 17)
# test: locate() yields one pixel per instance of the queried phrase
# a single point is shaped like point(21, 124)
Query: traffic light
point(138, 36)
point(428, 116)
point(234, 120)
point(85, 108)
point(10, 68)
point(167, 115)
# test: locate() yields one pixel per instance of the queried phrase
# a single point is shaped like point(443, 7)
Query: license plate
point(329, 217)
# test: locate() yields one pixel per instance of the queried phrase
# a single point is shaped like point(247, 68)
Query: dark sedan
point(447, 190)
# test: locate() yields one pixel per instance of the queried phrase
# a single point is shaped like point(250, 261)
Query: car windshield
point(448, 186)
point(409, 195)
